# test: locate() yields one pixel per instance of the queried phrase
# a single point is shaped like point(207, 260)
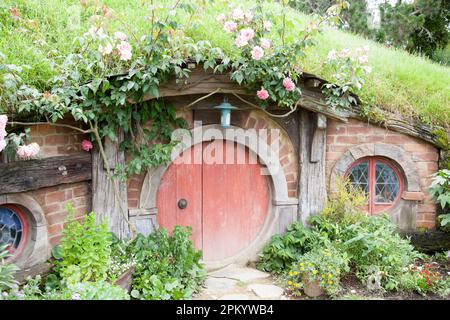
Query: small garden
point(345, 254)
point(91, 264)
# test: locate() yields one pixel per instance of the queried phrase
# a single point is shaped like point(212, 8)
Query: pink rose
point(257, 53)
point(124, 50)
point(86, 145)
point(120, 36)
point(265, 43)
point(363, 59)
point(2, 145)
point(28, 151)
point(125, 55)
point(3, 133)
point(230, 26)
point(288, 84)
point(3, 120)
point(241, 41)
point(247, 33)
point(262, 94)
point(221, 18)
point(105, 50)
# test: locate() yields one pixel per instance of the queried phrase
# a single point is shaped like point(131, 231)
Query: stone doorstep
point(239, 273)
point(266, 290)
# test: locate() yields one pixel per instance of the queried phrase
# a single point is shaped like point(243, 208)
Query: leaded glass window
point(12, 228)
point(359, 176)
point(379, 179)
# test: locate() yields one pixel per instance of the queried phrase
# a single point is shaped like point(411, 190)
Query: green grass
point(400, 82)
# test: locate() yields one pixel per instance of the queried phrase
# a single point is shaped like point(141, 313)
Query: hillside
point(400, 82)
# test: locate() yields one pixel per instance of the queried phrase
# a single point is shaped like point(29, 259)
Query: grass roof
point(400, 82)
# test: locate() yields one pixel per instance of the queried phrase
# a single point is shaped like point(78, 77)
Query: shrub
point(84, 252)
point(168, 267)
point(325, 265)
point(440, 191)
point(100, 290)
point(378, 253)
point(283, 250)
point(7, 270)
point(121, 259)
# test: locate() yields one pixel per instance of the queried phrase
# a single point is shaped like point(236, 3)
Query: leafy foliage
point(284, 249)
point(84, 251)
point(7, 270)
point(168, 266)
point(324, 265)
point(99, 290)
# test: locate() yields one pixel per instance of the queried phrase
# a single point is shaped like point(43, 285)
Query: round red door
point(225, 202)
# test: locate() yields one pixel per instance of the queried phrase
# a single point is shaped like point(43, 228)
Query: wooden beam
point(105, 202)
point(312, 182)
point(318, 140)
point(20, 176)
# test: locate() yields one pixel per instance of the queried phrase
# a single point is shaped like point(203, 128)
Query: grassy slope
point(400, 82)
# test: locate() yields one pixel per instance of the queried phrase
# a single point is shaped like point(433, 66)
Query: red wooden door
point(227, 202)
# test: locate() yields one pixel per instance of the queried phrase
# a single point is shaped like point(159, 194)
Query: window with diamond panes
point(379, 179)
point(13, 229)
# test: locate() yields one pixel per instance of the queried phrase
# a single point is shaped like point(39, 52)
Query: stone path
point(240, 283)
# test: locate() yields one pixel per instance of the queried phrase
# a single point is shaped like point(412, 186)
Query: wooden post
point(105, 203)
point(312, 183)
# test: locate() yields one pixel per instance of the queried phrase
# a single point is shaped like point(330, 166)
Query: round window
point(379, 179)
point(13, 229)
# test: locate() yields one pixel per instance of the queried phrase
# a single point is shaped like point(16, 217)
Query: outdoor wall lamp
point(225, 112)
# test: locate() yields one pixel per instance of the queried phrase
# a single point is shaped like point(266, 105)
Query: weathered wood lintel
point(30, 175)
point(318, 142)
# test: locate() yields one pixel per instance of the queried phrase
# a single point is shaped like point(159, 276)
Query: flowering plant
point(269, 71)
point(321, 266)
point(348, 72)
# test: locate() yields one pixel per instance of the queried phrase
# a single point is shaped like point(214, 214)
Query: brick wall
point(56, 141)
point(53, 202)
point(342, 136)
point(60, 141)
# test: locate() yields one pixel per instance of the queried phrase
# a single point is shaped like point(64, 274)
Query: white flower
point(332, 55)
point(237, 14)
point(363, 59)
point(367, 69)
point(345, 53)
point(76, 296)
point(267, 25)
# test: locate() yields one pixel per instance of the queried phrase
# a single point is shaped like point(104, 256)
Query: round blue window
point(13, 228)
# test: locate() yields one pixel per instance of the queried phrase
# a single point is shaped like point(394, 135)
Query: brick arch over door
point(282, 208)
point(404, 214)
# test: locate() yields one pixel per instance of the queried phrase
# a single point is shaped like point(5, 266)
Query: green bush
point(167, 266)
point(84, 251)
point(283, 250)
point(324, 264)
point(100, 290)
point(378, 253)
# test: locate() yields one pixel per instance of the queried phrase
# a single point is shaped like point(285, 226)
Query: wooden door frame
point(282, 209)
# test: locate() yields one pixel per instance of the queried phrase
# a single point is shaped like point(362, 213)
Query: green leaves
point(168, 267)
point(84, 251)
point(440, 187)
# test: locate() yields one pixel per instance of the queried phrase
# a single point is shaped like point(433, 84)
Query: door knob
point(182, 203)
